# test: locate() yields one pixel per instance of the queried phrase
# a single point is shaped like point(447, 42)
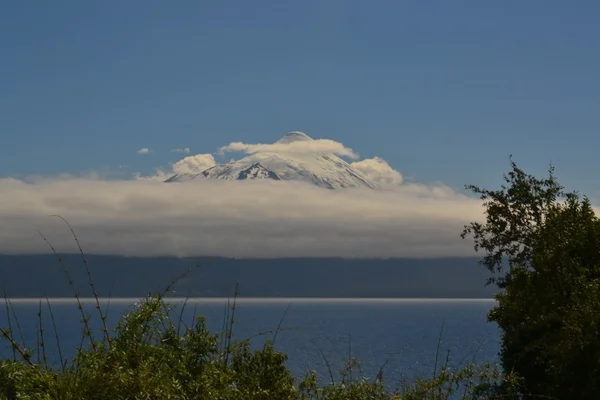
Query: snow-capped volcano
point(324, 170)
point(294, 136)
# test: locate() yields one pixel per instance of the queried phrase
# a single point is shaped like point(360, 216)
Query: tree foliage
point(153, 355)
point(542, 246)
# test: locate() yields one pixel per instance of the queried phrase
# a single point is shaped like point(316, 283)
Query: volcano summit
point(288, 163)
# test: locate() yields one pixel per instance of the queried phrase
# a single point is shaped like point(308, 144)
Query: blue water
point(403, 333)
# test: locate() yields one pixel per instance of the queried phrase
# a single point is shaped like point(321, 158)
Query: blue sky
point(444, 91)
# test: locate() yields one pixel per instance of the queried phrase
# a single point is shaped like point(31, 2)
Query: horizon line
point(255, 299)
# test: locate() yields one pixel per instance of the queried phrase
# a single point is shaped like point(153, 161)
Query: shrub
point(543, 247)
point(152, 354)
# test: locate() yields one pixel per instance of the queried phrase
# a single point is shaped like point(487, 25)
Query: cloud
point(319, 146)
point(194, 164)
point(375, 168)
point(185, 150)
point(188, 165)
point(234, 219)
point(378, 170)
point(160, 175)
point(144, 150)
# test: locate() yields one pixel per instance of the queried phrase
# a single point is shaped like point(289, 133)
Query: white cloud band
point(378, 170)
point(188, 165)
point(236, 219)
point(318, 146)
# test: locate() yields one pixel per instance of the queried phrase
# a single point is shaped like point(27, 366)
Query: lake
point(403, 333)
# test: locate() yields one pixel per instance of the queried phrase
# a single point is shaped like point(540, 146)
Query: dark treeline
point(43, 275)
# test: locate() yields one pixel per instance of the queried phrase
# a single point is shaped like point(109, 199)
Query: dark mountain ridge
point(119, 276)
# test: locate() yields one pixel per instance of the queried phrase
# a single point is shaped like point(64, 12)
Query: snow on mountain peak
point(294, 136)
point(272, 162)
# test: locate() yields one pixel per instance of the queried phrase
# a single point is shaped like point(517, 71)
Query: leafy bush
point(152, 354)
point(543, 247)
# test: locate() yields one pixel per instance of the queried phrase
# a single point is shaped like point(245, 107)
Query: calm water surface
point(403, 333)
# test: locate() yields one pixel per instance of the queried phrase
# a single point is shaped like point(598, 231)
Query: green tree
point(542, 246)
